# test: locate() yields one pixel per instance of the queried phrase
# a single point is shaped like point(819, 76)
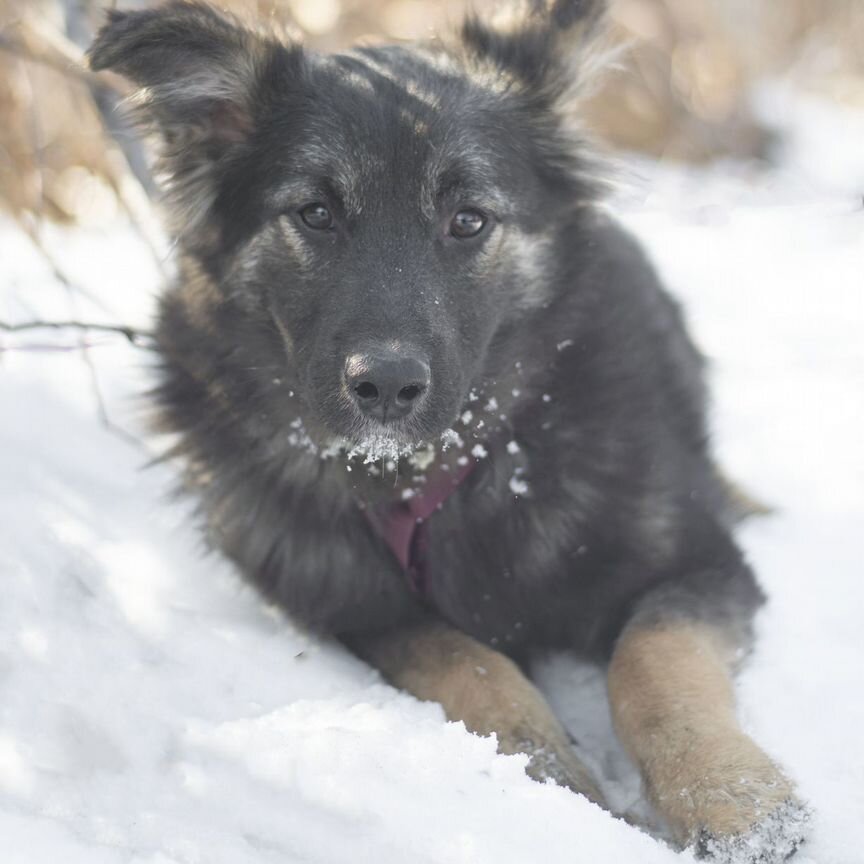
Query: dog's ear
point(541, 45)
point(203, 81)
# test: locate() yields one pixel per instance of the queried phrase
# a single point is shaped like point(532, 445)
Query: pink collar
point(403, 524)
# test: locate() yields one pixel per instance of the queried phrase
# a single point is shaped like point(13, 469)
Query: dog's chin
point(381, 447)
point(370, 442)
point(376, 443)
point(367, 440)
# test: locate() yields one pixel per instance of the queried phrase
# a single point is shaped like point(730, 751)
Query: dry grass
point(51, 140)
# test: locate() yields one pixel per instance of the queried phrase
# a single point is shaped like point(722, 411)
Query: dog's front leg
point(485, 690)
point(672, 702)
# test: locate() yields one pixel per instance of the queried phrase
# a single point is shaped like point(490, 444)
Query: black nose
point(387, 384)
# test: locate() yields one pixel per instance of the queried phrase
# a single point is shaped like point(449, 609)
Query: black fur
point(584, 391)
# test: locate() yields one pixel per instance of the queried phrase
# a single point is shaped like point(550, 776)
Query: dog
point(434, 401)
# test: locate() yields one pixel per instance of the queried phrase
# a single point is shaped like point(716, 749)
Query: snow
point(517, 486)
point(777, 835)
point(156, 711)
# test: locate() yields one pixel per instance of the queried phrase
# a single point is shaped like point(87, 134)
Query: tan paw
point(724, 792)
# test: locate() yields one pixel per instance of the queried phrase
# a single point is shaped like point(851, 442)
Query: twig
point(133, 335)
point(138, 338)
point(57, 53)
point(46, 347)
point(101, 407)
point(59, 65)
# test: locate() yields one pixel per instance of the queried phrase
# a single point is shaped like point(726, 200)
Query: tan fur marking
point(485, 690)
point(672, 702)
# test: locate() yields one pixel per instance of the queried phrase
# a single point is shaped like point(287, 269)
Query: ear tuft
point(577, 13)
point(539, 43)
point(103, 53)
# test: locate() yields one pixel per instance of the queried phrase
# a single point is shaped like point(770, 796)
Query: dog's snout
point(387, 384)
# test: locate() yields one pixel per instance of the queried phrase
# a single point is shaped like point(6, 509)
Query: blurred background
point(681, 89)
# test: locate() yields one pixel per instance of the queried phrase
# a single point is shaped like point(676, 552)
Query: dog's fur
point(593, 518)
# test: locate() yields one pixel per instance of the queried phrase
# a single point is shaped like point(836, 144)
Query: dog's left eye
point(317, 216)
point(467, 223)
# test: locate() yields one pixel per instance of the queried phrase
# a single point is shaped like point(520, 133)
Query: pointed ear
point(538, 44)
point(203, 83)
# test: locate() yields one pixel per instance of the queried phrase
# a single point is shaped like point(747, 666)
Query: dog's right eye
point(316, 216)
point(467, 223)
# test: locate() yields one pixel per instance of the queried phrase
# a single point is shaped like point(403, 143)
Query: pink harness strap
point(403, 524)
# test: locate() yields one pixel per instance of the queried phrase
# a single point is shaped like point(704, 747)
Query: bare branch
point(57, 53)
point(101, 406)
point(138, 338)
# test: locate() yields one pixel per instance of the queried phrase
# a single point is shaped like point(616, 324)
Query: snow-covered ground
point(154, 710)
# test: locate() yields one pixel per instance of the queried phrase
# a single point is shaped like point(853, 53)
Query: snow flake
point(451, 438)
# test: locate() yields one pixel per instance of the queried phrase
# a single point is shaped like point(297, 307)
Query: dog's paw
point(771, 840)
point(562, 766)
point(721, 794)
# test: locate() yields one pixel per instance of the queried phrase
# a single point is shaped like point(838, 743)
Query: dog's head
point(375, 217)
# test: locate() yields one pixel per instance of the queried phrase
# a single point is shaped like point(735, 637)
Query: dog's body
point(396, 289)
